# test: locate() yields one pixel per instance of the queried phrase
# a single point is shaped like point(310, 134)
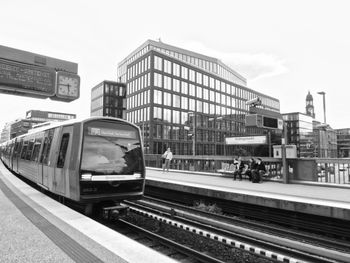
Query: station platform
point(325, 201)
point(35, 228)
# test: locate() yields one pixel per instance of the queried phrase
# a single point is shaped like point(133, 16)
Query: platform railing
point(333, 171)
point(330, 171)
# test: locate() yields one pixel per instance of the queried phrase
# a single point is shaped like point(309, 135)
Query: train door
point(12, 146)
point(38, 143)
point(44, 165)
point(61, 177)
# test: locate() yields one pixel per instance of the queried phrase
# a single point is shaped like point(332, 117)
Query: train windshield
point(111, 148)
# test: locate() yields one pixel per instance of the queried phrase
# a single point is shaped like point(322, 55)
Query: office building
point(187, 101)
point(108, 98)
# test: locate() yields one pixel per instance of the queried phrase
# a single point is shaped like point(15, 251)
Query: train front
point(112, 164)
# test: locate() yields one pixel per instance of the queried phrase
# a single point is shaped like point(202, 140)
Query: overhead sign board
point(17, 78)
point(260, 121)
point(246, 140)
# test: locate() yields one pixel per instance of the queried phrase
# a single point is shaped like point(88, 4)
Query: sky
point(283, 48)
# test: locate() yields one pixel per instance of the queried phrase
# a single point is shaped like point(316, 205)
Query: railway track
point(265, 240)
point(286, 232)
point(334, 229)
point(159, 243)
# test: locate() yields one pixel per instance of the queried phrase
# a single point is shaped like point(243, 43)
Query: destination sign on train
point(17, 78)
point(111, 132)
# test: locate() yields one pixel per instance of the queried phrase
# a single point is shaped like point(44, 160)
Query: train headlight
point(86, 177)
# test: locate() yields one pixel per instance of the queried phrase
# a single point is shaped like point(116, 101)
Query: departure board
point(28, 79)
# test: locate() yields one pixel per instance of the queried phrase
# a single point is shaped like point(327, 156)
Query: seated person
point(252, 166)
point(260, 171)
point(239, 168)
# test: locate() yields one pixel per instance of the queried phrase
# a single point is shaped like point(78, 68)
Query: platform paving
point(36, 228)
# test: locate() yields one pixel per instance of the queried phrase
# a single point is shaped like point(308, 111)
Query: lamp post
point(324, 104)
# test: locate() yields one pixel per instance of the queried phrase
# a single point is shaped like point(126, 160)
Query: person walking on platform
point(168, 155)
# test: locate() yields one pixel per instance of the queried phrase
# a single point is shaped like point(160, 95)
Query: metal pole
point(324, 107)
point(324, 104)
point(269, 138)
point(284, 155)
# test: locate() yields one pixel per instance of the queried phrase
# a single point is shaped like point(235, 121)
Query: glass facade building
point(300, 133)
point(187, 101)
point(108, 99)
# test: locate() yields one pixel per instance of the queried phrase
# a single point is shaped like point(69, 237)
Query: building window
point(184, 72)
point(176, 85)
point(192, 76)
point(199, 78)
point(199, 92)
point(158, 63)
point(176, 117)
point(184, 87)
point(167, 66)
point(158, 97)
point(167, 99)
point(176, 101)
point(167, 82)
point(157, 113)
point(158, 80)
point(176, 70)
point(167, 115)
point(184, 103)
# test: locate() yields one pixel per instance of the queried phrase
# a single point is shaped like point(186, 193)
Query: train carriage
point(89, 161)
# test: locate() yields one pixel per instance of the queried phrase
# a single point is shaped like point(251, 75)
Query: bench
point(230, 173)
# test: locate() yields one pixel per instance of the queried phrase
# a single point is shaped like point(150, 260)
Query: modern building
point(300, 133)
point(34, 117)
point(343, 142)
point(108, 98)
point(187, 101)
point(6, 132)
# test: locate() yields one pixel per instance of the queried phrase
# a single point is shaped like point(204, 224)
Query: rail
point(323, 171)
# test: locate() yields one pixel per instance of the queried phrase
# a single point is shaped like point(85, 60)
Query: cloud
point(252, 66)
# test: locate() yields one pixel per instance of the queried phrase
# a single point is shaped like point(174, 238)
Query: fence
point(326, 170)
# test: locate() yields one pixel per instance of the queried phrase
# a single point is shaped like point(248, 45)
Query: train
point(94, 162)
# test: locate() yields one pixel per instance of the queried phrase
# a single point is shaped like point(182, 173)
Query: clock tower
point(310, 105)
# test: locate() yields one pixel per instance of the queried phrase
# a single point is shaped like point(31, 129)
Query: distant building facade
point(343, 142)
point(6, 133)
point(325, 140)
point(108, 98)
point(34, 117)
point(300, 133)
point(185, 100)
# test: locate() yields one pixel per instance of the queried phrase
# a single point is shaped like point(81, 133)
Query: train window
point(44, 158)
point(30, 149)
point(111, 148)
point(63, 150)
point(24, 149)
point(17, 147)
point(37, 145)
